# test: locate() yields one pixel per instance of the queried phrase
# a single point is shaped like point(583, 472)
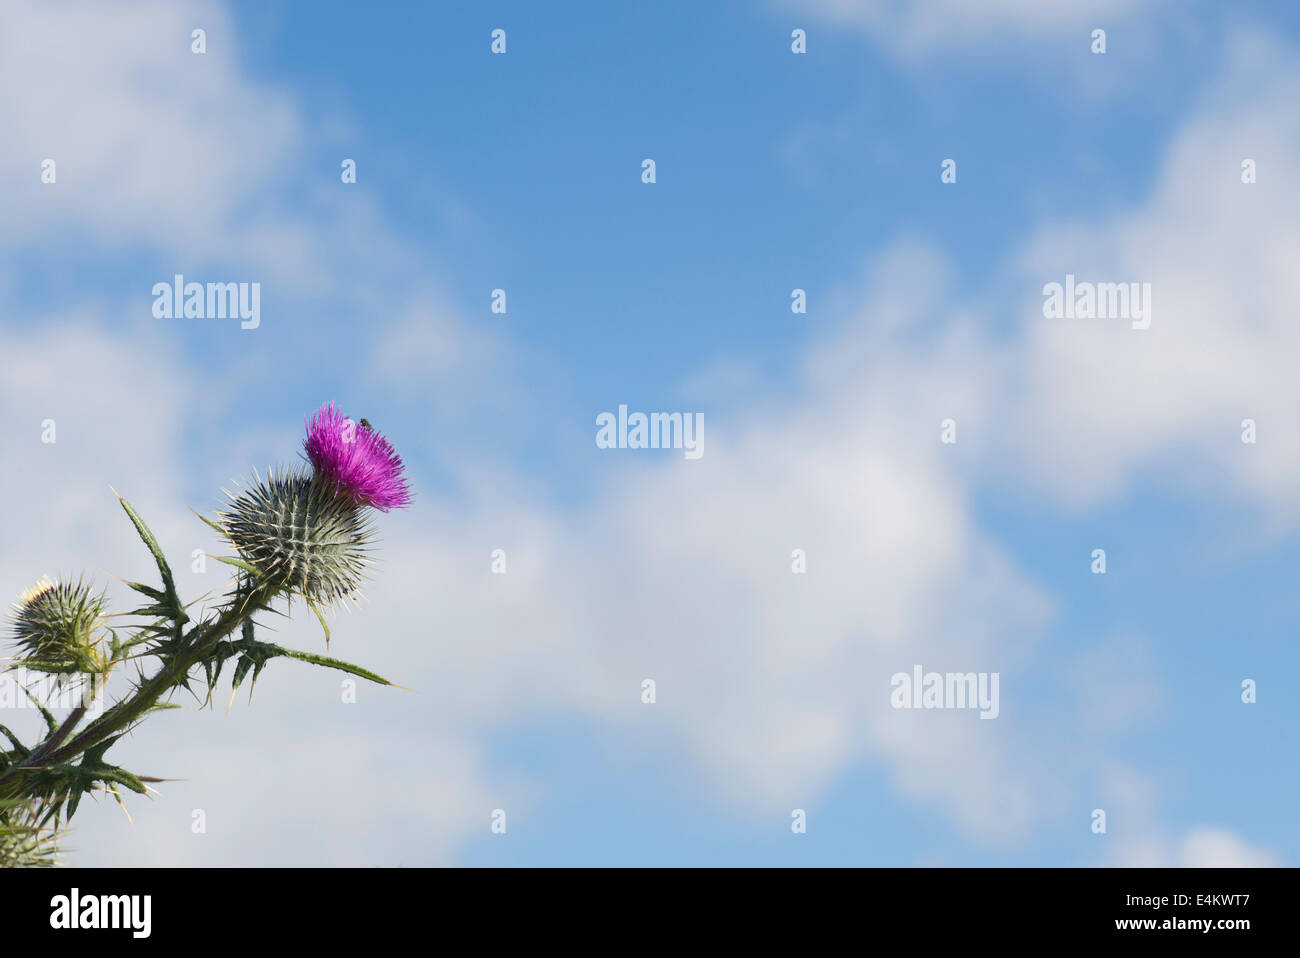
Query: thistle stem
point(204, 640)
point(61, 733)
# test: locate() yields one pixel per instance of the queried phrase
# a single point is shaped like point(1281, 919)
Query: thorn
point(122, 805)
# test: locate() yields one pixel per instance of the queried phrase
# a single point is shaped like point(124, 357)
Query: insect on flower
point(360, 466)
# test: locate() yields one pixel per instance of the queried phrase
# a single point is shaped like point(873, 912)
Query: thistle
point(55, 625)
point(297, 533)
point(300, 536)
point(355, 460)
point(23, 842)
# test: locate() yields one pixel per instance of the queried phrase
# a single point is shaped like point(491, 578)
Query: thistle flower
point(54, 626)
point(355, 460)
point(299, 535)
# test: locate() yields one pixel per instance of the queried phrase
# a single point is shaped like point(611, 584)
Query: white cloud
point(1200, 847)
point(161, 149)
point(150, 140)
point(344, 795)
point(1102, 402)
point(1205, 847)
point(114, 416)
point(678, 571)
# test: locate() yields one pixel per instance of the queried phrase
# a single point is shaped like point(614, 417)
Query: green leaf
point(122, 777)
point(92, 769)
point(254, 656)
point(148, 590)
point(50, 721)
point(169, 583)
point(238, 564)
point(241, 670)
point(321, 616)
point(164, 569)
point(19, 747)
point(212, 525)
point(158, 610)
point(43, 665)
point(342, 666)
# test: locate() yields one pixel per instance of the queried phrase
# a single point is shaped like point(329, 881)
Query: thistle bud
point(23, 842)
point(299, 535)
point(56, 625)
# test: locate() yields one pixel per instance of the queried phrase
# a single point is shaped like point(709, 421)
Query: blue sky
point(775, 171)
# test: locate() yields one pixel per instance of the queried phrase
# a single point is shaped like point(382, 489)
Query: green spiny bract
point(55, 625)
point(23, 842)
point(299, 535)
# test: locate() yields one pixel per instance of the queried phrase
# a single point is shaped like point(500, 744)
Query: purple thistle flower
point(355, 460)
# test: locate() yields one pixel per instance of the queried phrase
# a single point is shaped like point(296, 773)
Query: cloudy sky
point(775, 171)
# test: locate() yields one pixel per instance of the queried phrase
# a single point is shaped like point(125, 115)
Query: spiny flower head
point(300, 536)
point(355, 460)
point(55, 624)
point(23, 842)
